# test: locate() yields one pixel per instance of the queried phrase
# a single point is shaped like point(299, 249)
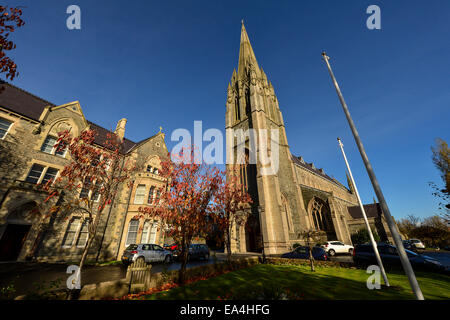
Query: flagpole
point(372, 240)
point(390, 221)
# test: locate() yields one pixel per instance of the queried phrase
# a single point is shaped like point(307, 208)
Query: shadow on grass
point(298, 282)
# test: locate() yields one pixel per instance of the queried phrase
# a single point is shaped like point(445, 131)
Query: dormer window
point(149, 168)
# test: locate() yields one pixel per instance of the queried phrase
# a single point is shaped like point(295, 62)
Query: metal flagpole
point(390, 221)
point(372, 240)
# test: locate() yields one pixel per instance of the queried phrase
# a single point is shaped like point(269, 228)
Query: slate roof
point(21, 101)
point(372, 210)
point(26, 104)
point(298, 161)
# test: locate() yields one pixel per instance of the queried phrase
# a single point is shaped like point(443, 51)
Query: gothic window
point(321, 215)
point(237, 110)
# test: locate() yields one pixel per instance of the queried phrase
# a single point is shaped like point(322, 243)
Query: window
point(132, 232)
point(96, 191)
point(72, 228)
point(86, 188)
point(140, 194)
point(149, 168)
point(153, 233)
point(151, 195)
point(49, 147)
point(145, 231)
point(48, 144)
point(83, 235)
point(158, 196)
point(155, 171)
point(4, 127)
point(50, 174)
point(35, 173)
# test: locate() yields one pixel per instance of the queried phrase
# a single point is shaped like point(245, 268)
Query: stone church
point(299, 196)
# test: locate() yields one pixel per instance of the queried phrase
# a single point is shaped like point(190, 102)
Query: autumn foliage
point(195, 198)
point(91, 180)
point(10, 20)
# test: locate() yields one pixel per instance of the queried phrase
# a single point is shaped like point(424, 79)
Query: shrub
point(362, 236)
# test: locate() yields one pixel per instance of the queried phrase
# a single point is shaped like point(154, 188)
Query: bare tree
point(441, 159)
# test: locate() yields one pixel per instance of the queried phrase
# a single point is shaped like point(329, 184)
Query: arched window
point(237, 109)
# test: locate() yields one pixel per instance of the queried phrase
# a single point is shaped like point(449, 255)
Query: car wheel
point(331, 252)
point(167, 259)
point(350, 251)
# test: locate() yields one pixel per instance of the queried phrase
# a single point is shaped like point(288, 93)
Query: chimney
point(120, 129)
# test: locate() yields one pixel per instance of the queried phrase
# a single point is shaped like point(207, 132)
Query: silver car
point(148, 252)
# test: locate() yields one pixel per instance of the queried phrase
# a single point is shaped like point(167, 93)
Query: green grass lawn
point(268, 281)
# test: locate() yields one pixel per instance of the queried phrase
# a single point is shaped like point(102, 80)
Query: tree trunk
point(184, 257)
point(311, 260)
point(228, 245)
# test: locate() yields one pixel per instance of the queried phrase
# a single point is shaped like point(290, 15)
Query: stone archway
point(19, 224)
point(320, 214)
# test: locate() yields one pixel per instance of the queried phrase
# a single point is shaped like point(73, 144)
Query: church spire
point(246, 54)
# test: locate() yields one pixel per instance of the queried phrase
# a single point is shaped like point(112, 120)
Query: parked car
point(334, 247)
point(417, 243)
point(170, 247)
point(196, 251)
point(147, 252)
point(407, 244)
point(363, 254)
point(302, 252)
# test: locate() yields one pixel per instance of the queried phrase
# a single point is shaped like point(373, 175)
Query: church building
point(299, 196)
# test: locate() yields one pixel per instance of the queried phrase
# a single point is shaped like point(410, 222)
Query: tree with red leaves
point(231, 206)
point(91, 180)
point(9, 22)
point(184, 205)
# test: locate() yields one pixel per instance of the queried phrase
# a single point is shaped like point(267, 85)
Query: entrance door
point(12, 241)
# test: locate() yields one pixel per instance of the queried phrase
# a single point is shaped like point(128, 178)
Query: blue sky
point(168, 63)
